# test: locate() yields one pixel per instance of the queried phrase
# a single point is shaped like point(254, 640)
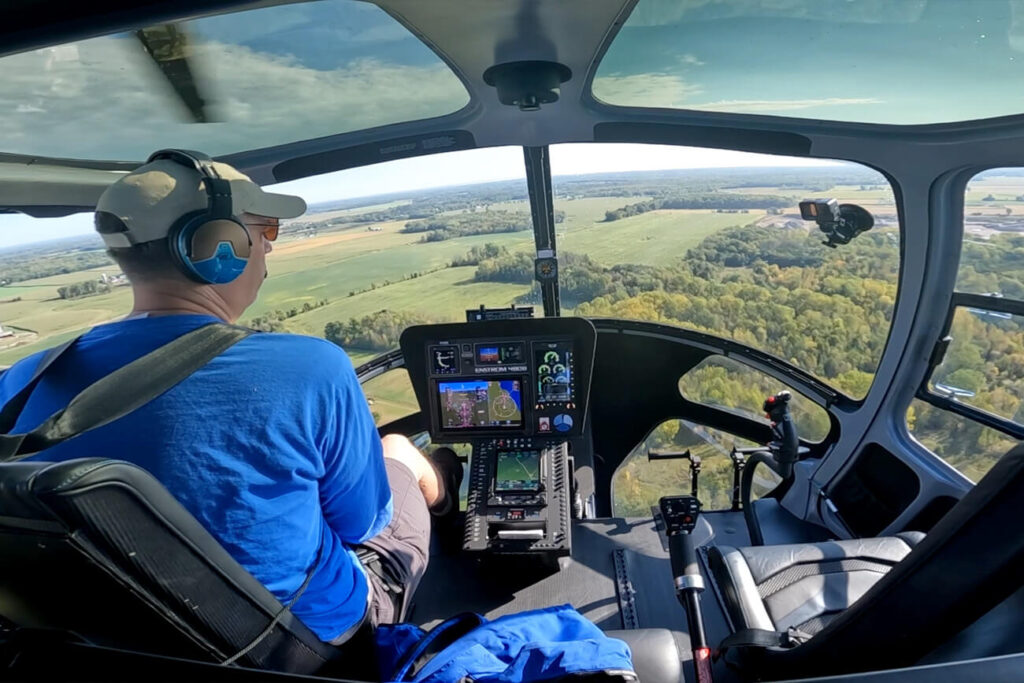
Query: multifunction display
point(554, 365)
point(517, 471)
point(481, 404)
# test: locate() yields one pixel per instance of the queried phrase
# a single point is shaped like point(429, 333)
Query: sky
point(442, 170)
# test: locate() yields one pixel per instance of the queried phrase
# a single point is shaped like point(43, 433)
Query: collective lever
point(680, 514)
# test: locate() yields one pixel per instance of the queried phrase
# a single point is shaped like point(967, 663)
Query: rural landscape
point(722, 251)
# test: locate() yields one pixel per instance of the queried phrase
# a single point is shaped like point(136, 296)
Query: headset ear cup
point(177, 244)
point(211, 251)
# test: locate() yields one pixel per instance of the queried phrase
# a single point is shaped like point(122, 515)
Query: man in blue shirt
point(271, 445)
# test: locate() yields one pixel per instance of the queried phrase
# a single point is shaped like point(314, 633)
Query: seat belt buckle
point(794, 636)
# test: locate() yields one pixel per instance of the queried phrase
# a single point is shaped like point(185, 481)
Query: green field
point(654, 238)
point(444, 295)
point(390, 396)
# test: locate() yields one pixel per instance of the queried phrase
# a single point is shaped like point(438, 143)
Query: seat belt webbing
point(119, 393)
point(12, 409)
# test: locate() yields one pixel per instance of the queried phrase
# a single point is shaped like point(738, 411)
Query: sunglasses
point(269, 230)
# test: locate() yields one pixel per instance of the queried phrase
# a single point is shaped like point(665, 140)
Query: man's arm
point(354, 492)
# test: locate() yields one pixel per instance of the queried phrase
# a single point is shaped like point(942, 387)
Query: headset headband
point(218, 190)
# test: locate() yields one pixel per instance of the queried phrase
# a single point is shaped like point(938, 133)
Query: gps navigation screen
point(518, 471)
point(480, 404)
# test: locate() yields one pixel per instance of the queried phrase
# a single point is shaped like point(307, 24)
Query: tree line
point(378, 331)
point(83, 288)
point(710, 200)
point(18, 268)
point(442, 228)
point(480, 253)
point(274, 320)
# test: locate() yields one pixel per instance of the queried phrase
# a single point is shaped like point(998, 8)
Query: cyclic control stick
point(680, 514)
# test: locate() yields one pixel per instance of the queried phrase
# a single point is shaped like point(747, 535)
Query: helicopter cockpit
point(719, 303)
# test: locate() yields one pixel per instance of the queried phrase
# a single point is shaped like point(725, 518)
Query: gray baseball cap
point(150, 199)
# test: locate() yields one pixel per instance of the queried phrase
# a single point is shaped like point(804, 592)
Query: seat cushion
point(803, 585)
point(655, 655)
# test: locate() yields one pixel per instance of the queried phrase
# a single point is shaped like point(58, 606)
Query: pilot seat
point(98, 551)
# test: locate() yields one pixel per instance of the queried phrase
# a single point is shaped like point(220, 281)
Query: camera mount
point(840, 222)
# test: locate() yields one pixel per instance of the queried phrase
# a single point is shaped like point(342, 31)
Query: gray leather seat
point(655, 655)
point(802, 586)
point(970, 561)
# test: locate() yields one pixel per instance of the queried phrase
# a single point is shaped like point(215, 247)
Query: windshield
point(718, 250)
point(725, 251)
point(872, 61)
point(224, 83)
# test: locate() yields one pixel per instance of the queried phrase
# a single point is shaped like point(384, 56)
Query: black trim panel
point(743, 139)
point(373, 153)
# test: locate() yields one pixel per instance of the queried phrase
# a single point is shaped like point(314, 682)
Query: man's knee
point(399, 448)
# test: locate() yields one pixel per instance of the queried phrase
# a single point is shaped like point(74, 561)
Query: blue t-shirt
point(271, 446)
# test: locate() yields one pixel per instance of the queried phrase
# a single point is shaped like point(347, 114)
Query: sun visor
point(24, 186)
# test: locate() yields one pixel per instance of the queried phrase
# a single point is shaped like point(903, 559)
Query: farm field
point(359, 272)
point(653, 238)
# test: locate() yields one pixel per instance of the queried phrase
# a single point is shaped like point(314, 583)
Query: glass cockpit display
point(517, 471)
point(445, 360)
point(501, 378)
point(555, 381)
point(499, 354)
point(480, 404)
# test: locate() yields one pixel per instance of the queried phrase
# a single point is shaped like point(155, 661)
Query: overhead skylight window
point(873, 61)
point(223, 84)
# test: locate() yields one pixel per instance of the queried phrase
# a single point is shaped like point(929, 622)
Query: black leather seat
point(885, 602)
point(100, 549)
point(802, 586)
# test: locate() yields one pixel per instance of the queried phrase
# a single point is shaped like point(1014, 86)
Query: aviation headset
point(210, 245)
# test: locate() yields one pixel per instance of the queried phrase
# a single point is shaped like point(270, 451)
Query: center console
point(518, 391)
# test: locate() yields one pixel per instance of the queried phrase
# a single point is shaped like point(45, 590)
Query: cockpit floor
point(501, 585)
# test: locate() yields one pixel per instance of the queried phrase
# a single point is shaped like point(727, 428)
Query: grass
point(10, 356)
point(441, 296)
point(653, 238)
point(581, 213)
point(392, 396)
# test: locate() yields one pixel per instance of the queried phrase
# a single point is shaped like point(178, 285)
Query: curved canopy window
point(872, 61)
point(715, 243)
point(223, 84)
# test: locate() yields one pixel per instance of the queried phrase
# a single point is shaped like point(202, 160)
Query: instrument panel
point(526, 377)
point(518, 391)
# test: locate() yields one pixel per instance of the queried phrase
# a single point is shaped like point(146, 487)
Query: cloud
point(108, 101)
point(645, 90)
point(750, 106)
point(675, 12)
point(673, 92)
